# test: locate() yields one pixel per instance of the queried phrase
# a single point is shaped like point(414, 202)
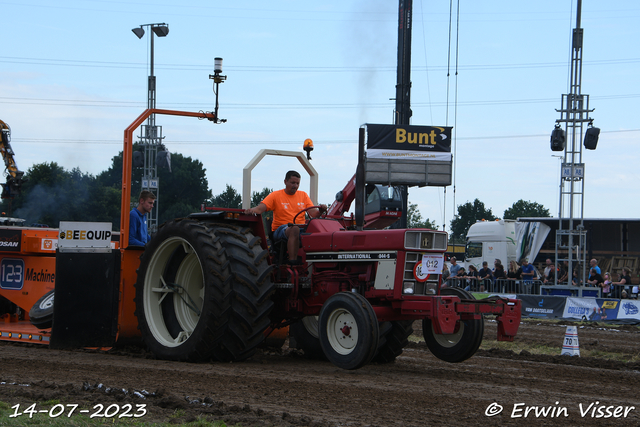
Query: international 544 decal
point(351, 256)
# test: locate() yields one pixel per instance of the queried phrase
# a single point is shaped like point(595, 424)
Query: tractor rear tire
point(305, 335)
point(41, 314)
point(348, 330)
point(460, 345)
point(203, 291)
point(395, 340)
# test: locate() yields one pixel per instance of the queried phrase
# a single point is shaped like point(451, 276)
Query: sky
point(73, 76)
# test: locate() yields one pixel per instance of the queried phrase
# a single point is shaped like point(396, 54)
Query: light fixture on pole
point(160, 30)
point(217, 78)
point(151, 135)
point(591, 137)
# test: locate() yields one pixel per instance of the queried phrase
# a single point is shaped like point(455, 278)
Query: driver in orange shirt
point(285, 204)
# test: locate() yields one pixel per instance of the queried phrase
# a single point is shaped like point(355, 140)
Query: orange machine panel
point(27, 264)
point(25, 279)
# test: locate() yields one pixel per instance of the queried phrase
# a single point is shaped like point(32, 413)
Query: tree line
point(52, 194)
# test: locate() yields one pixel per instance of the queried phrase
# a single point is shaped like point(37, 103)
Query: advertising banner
point(10, 240)
point(607, 309)
point(84, 236)
point(601, 309)
point(548, 307)
point(580, 308)
point(530, 237)
point(629, 309)
point(408, 142)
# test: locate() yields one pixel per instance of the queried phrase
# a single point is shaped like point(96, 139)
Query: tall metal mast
point(403, 86)
point(151, 134)
point(574, 113)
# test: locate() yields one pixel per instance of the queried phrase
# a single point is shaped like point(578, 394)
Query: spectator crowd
point(525, 278)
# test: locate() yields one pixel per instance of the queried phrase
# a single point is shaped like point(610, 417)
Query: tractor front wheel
point(462, 343)
point(348, 330)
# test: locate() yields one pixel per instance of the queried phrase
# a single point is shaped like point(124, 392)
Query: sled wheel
point(305, 335)
point(203, 291)
point(348, 330)
point(462, 343)
point(395, 340)
point(41, 314)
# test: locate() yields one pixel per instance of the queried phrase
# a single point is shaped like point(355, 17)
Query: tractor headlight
point(407, 288)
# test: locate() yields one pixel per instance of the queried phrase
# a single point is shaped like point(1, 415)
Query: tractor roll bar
point(127, 154)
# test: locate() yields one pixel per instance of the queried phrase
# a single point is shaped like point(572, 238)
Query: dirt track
point(282, 388)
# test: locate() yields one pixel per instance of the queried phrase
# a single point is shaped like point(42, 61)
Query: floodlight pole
point(574, 113)
point(151, 135)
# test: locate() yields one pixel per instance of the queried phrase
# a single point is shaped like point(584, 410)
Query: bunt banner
point(408, 142)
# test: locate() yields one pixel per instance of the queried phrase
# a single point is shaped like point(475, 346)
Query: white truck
point(504, 239)
point(488, 240)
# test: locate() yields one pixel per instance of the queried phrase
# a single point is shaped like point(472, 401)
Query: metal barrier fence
point(532, 287)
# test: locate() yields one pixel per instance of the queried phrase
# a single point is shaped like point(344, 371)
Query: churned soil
point(279, 387)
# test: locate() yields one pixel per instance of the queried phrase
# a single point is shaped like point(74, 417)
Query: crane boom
point(14, 175)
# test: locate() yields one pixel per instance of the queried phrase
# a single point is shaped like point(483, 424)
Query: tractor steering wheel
point(322, 215)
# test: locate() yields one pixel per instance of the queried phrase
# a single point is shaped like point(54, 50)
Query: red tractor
point(210, 286)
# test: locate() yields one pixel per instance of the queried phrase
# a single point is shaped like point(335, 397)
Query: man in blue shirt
point(453, 270)
point(527, 271)
point(138, 234)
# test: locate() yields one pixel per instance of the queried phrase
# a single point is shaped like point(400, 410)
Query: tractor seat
point(278, 248)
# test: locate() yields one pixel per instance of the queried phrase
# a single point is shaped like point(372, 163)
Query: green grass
point(576, 322)
point(518, 347)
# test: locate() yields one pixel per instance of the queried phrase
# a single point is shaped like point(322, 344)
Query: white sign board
point(571, 170)
point(84, 236)
point(150, 183)
point(432, 263)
